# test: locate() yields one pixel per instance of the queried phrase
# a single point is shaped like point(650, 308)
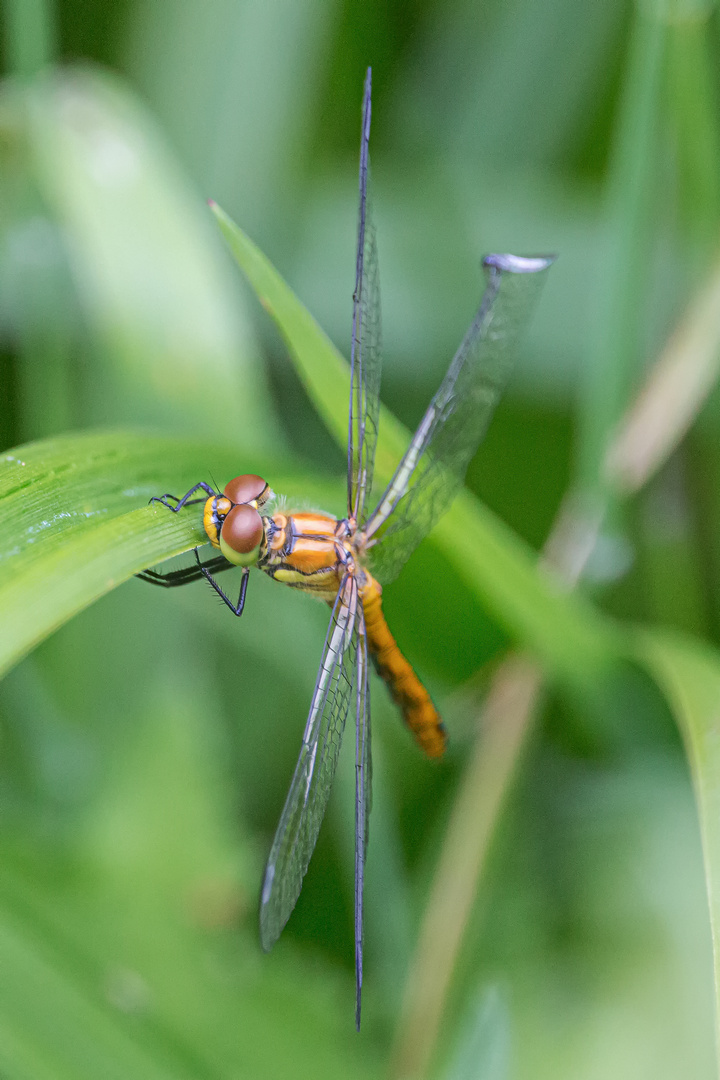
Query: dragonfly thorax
point(310, 550)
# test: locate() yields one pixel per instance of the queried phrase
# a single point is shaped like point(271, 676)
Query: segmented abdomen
point(408, 692)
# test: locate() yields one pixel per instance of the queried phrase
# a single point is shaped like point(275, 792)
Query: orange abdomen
point(408, 692)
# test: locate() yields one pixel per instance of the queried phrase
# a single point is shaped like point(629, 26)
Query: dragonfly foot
point(163, 500)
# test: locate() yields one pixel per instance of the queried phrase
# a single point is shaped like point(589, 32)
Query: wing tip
point(519, 264)
point(268, 934)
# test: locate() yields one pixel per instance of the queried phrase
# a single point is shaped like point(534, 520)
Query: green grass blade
point(53, 1027)
point(74, 521)
point(169, 341)
point(31, 1047)
point(631, 200)
point(499, 568)
point(693, 105)
point(323, 370)
point(688, 673)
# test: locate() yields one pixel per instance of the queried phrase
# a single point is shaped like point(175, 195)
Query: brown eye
point(242, 531)
point(243, 489)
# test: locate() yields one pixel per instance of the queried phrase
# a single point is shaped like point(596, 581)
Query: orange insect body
point(408, 692)
point(305, 551)
point(326, 556)
point(312, 552)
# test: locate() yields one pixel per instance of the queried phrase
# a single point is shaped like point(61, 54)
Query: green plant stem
point(693, 102)
point(630, 202)
point(506, 720)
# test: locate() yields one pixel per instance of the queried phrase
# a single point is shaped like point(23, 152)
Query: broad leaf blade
point(74, 521)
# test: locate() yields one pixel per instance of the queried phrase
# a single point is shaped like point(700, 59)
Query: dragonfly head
point(233, 522)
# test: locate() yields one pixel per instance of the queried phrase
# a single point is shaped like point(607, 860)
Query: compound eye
point(241, 534)
point(245, 489)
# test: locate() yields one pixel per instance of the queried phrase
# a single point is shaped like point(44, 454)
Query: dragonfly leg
point(186, 574)
point(237, 609)
point(185, 500)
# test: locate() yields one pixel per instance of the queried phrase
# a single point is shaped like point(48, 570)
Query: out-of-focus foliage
point(147, 745)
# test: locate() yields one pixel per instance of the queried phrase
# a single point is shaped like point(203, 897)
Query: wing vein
point(434, 465)
point(306, 801)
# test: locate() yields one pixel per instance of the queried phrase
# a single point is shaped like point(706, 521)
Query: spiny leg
point(185, 500)
point(189, 573)
point(186, 574)
point(237, 609)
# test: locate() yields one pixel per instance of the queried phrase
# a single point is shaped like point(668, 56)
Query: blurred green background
point(146, 747)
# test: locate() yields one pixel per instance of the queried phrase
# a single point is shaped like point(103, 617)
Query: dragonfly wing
point(307, 798)
point(363, 798)
point(365, 353)
point(434, 465)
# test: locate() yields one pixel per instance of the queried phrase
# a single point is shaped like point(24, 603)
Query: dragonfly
point(346, 561)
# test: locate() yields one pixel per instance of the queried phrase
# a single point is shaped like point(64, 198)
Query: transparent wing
point(365, 354)
point(310, 788)
point(363, 798)
point(434, 465)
